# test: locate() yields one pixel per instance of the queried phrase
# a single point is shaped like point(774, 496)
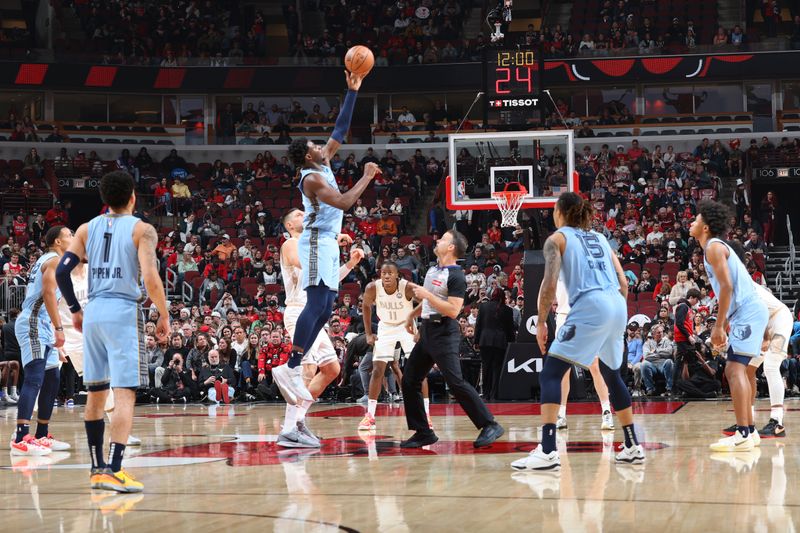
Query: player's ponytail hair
point(577, 212)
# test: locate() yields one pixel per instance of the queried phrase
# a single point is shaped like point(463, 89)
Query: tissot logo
point(525, 366)
point(516, 102)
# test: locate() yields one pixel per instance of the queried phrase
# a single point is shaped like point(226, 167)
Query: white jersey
point(73, 339)
point(295, 295)
point(393, 309)
point(562, 304)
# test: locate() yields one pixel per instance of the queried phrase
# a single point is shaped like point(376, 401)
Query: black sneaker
point(772, 430)
point(420, 439)
point(488, 435)
point(730, 430)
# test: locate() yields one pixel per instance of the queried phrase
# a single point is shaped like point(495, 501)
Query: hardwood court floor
point(217, 469)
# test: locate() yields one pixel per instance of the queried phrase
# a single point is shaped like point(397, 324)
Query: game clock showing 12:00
point(513, 82)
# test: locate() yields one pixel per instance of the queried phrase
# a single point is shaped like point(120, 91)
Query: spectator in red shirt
point(370, 230)
point(495, 235)
point(275, 353)
point(56, 216)
point(19, 227)
point(635, 152)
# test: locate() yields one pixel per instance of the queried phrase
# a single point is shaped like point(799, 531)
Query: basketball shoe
point(561, 423)
point(290, 382)
point(54, 444)
point(607, 422)
point(367, 423)
point(633, 455)
point(773, 430)
point(294, 438)
point(734, 443)
point(538, 461)
point(106, 479)
point(29, 446)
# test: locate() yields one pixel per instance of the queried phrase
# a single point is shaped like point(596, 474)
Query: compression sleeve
point(68, 262)
point(345, 115)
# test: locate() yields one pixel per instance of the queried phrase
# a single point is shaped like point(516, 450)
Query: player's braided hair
point(297, 152)
point(577, 212)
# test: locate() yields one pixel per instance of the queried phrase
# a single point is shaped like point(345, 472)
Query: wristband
point(60, 328)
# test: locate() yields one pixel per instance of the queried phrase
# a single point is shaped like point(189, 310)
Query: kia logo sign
point(525, 366)
point(530, 324)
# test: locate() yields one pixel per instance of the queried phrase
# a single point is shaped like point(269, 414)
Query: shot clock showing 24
point(513, 85)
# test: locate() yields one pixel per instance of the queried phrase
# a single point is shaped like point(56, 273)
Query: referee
point(442, 297)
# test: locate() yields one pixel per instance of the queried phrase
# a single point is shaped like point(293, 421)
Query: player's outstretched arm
point(315, 185)
point(356, 255)
point(69, 261)
point(345, 115)
point(146, 240)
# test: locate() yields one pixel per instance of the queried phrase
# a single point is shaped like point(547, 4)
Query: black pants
point(439, 344)
point(68, 377)
point(492, 366)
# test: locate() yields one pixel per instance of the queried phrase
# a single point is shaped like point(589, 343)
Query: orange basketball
point(359, 60)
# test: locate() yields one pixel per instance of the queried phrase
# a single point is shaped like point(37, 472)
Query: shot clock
point(513, 84)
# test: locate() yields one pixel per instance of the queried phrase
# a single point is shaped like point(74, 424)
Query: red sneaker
point(29, 446)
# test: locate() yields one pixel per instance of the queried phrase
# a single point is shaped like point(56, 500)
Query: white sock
point(290, 419)
point(605, 406)
point(562, 411)
point(427, 403)
point(302, 409)
point(776, 412)
point(371, 406)
point(5, 391)
point(14, 390)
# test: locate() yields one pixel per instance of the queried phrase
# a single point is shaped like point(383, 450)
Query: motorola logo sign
point(531, 323)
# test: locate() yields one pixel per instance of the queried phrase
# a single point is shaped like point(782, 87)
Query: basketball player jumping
point(607, 420)
point(39, 343)
point(318, 245)
point(597, 290)
point(774, 349)
point(120, 249)
point(321, 355)
point(394, 301)
point(741, 309)
point(73, 339)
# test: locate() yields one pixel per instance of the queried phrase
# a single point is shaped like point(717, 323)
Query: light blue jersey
point(317, 246)
point(596, 320)
point(319, 215)
point(743, 290)
point(586, 264)
point(747, 314)
point(33, 322)
point(113, 323)
point(113, 258)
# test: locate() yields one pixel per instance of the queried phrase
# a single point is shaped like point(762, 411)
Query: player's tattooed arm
point(621, 277)
point(148, 243)
point(552, 267)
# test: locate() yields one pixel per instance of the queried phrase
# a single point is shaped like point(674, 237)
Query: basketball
point(359, 60)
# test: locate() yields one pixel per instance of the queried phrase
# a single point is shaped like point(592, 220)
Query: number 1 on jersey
point(106, 246)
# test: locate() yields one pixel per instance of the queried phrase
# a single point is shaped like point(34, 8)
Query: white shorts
point(322, 351)
point(388, 337)
point(75, 353)
point(779, 329)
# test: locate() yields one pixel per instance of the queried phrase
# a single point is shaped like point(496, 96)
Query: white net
point(509, 203)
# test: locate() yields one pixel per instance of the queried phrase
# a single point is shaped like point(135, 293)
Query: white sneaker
point(29, 446)
point(538, 461)
point(290, 382)
point(734, 443)
point(295, 439)
point(541, 483)
point(756, 438)
point(134, 441)
point(561, 423)
point(10, 400)
point(632, 456)
point(53, 444)
point(608, 421)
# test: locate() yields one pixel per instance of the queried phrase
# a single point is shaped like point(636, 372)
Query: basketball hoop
point(509, 202)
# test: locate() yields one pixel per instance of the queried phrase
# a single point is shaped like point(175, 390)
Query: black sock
point(295, 359)
point(752, 429)
point(744, 430)
point(22, 430)
point(94, 435)
point(548, 438)
point(42, 430)
point(630, 436)
point(115, 456)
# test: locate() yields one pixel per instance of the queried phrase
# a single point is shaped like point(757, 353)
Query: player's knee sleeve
point(317, 311)
point(550, 378)
point(773, 361)
point(34, 376)
point(617, 391)
point(48, 392)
